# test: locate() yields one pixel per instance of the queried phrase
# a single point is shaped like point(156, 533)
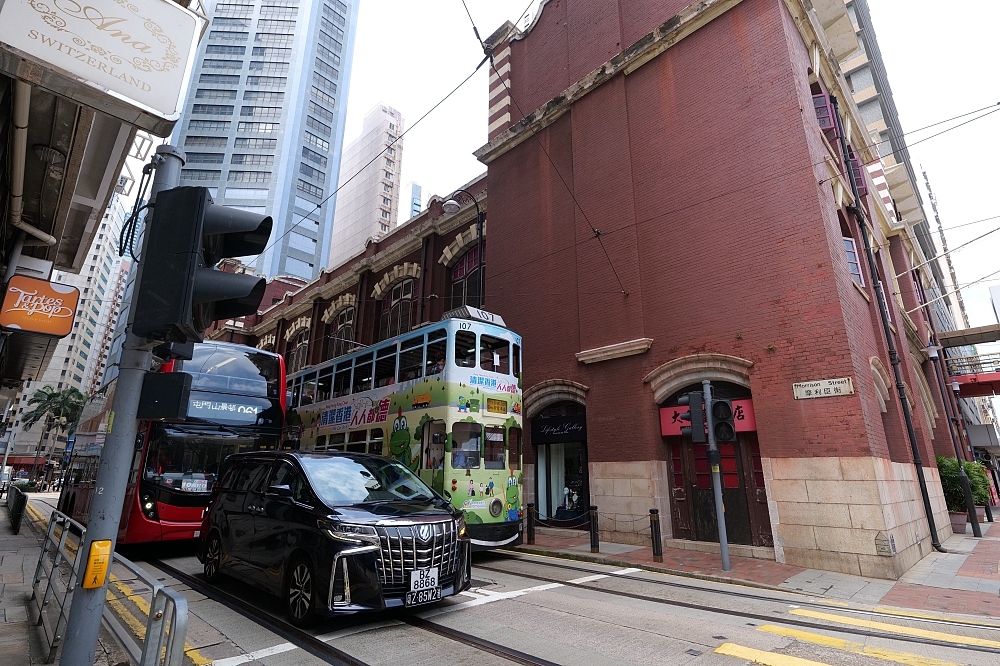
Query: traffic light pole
point(714, 459)
point(116, 457)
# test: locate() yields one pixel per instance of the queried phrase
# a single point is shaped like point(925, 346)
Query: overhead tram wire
point(382, 152)
point(713, 198)
point(404, 133)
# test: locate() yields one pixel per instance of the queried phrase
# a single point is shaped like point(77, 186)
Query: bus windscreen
point(189, 461)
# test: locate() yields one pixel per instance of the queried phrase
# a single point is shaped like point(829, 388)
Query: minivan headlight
point(353, 535)
point(460, 527)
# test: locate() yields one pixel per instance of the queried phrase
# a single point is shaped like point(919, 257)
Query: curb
point(582, 557)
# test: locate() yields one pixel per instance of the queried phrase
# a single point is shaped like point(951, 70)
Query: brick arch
point(882, 383)
point(674, 375)
point(463, 243)
point(551, 391)
point(399, 272)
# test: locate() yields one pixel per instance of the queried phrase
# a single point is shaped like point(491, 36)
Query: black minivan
point(334, 532)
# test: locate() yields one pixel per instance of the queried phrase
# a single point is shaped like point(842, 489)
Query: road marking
point(587, 579)
point(622, 572)
point(493, 596)
point(907, 658)
point(762, 657)
point(251, 656)
point(831, 602)
point(897, 629)
point(931, 616)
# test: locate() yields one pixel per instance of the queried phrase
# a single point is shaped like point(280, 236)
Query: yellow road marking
point(896, 629)
point(134, 623)
point(831, 602)
point(857, 648)
point(762, 657)
point(930, 616)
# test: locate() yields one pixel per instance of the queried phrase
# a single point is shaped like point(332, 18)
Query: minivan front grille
point(402, 550)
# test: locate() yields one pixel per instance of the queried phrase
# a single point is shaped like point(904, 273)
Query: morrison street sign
point(138, 51)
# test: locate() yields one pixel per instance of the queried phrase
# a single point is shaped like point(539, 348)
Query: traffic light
point(180, 292)
point(722, 421)
point(695, 415)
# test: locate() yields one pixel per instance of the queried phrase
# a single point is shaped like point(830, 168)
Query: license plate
point(423, 596)
point(423, 579)
point(194, 485)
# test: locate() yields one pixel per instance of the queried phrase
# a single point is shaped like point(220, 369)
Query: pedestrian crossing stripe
point(907, 658)
point(897, 629)
point(762, 657)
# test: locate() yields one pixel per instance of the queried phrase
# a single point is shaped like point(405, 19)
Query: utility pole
point(944, 247)
point(116, 457)
point(715, 459)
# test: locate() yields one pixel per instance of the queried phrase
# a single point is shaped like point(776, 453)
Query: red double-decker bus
point(237, 404)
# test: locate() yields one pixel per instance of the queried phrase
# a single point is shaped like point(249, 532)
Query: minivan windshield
point(341, 480)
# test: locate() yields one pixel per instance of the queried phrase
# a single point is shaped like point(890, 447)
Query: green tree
point(59, 410)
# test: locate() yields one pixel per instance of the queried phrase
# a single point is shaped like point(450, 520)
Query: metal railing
point(16, 501)
point(971, 365)
point(57, 574)
point(55, 579)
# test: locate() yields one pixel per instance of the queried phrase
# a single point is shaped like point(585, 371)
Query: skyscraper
point(413, 201)
point(264, 121)
point(368, 202)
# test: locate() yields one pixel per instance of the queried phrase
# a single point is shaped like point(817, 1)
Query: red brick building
point(671, 211)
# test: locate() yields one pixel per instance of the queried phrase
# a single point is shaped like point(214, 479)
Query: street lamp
point(452, 206)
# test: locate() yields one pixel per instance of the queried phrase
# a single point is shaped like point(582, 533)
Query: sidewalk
point(21, 642)
point(964, 580)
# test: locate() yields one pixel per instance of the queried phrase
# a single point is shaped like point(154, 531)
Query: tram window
point(358, 436)
point(308, 390)
point(342, 380)
point(465, 349)
point(494, 354)
point(385, 366)
point(325, 384)
point(296, 391)
point(411, 359)
point(516, 361)
point(320, 443)
point(375, 441)
point(337, 438)
point(363, 373)
point(494, 456)
point(514, 446)
point(465, 445)
point(437, 351)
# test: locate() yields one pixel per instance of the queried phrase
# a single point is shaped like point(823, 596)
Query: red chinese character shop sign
point(743, 418)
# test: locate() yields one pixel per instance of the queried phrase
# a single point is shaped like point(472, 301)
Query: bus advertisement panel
point(445, 400)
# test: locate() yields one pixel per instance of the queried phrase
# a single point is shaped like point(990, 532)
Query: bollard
point(654, 533)
point(531, 523)
point(595, 539)
point(989, 513)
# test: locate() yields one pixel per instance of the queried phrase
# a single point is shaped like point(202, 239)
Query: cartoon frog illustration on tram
point(513, 498)
point(399, 443)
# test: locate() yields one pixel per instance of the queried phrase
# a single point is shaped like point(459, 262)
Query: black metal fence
point(16, 501)
point(590, 520)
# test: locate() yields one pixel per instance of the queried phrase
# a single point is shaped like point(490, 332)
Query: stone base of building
point(861, 516)
point(623, 493)
point(735, 549)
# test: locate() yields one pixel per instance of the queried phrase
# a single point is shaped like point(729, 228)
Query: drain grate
point(693, 653)
point(719, 638)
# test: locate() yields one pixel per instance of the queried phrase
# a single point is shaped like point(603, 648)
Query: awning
point(969, 336)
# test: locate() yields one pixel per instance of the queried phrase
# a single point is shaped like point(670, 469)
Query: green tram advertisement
point(444, 399)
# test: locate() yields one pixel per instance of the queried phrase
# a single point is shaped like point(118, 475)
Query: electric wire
point(596, 232)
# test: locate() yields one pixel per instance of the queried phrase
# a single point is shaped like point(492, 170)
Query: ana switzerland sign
point(743, 418)
point(136, 50)
point(38, 306)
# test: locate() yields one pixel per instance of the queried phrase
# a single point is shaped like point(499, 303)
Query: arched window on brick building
point(340, 338)
point(465, 279)
point(297, 355)
point(397, 309)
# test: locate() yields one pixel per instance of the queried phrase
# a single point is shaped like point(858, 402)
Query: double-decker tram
point(444, 399)
point(237, 403)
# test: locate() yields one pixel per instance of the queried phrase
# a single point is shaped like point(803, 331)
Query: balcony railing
point(972, 365)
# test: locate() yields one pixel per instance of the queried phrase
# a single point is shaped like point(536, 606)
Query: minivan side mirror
point(279, 491)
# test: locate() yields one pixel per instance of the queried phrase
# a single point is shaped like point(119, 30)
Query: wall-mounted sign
point(559, 429)
point(823, 388)
point(743, 418)
point(37, 306)
point(496, 406)
point(138, 51)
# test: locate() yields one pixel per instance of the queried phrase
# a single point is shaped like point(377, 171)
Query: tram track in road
point(507, 555)
point(782, 618)
point(321, 648)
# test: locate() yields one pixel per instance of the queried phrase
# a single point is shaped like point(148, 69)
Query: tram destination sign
point(823, 388)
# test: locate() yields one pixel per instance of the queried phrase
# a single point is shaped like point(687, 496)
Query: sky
point(937, 69)
point(409, 55)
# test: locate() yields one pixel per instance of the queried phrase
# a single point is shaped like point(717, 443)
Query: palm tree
point(60, 411)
